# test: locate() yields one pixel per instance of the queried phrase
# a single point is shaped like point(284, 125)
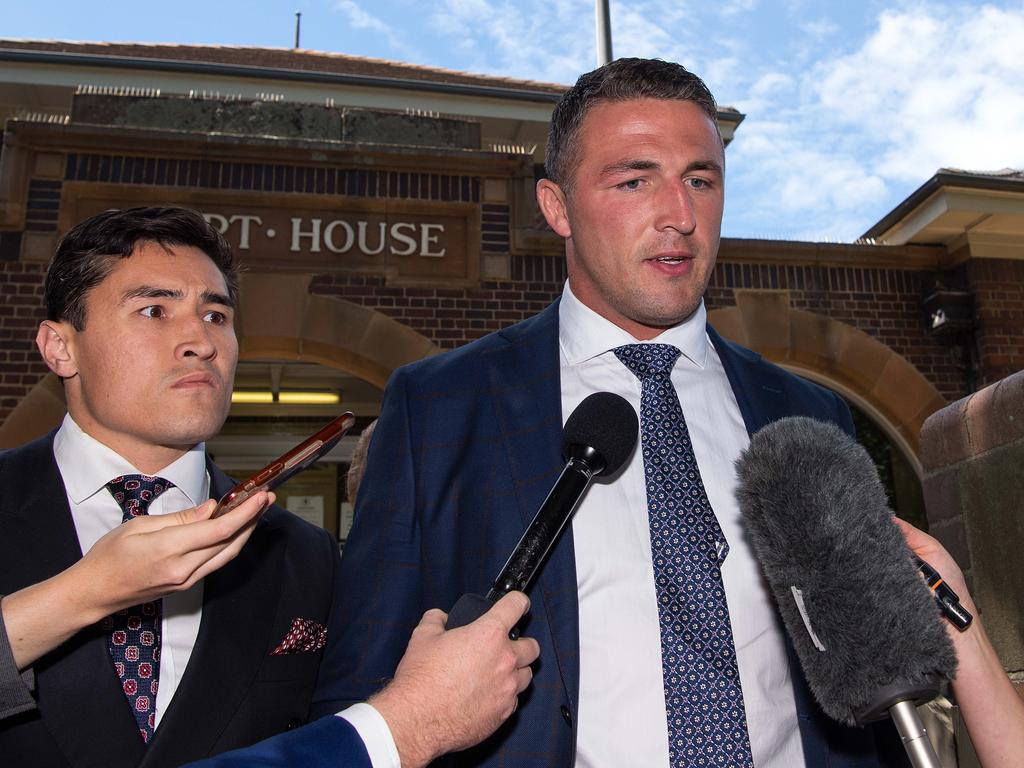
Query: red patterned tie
point(134, 640)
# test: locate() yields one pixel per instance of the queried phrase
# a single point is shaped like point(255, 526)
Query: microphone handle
point(533, 547)
point(912, 732)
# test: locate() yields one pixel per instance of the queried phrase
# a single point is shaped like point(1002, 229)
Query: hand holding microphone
point(598, 438)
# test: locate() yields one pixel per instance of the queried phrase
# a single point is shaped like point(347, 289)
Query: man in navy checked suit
point(467, 446)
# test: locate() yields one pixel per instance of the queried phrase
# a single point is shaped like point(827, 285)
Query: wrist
point(82, 595)
point(410, 734)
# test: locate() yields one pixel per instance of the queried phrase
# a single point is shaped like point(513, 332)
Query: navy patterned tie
point(707, 725)
point(134, 639)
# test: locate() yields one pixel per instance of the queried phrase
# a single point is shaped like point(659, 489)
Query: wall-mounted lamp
point(948, 312)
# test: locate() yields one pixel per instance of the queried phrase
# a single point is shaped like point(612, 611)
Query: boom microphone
point(597, 439)
point(864, 624)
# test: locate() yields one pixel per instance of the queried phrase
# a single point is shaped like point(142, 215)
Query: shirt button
point(566, 715)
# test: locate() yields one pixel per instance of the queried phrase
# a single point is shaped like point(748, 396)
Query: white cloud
point(846, 112)
point(534, 40)
point(361, 19)
point(939, 87)
point(735, 7)
point(831, 148)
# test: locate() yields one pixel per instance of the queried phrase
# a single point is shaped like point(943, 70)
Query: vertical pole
point(298, 27)
point(604, 32)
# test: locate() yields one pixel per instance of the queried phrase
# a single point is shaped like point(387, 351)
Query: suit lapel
point(760, 403)
point(80, 698)
point(239, 604)
point(529, 411)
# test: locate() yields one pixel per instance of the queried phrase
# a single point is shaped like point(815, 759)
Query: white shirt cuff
point(373, 730)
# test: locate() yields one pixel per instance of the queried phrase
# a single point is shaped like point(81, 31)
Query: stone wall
point(973, 455)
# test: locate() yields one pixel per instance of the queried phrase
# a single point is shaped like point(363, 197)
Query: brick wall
point(451, 317)
point(884, 303)
point(21, 311)
point(998, 288)
point(881, 302)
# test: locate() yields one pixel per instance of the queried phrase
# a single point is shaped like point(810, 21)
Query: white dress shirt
point(622, 719)
point(86, 465)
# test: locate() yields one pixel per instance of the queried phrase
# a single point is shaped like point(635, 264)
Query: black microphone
point(597, 439)
point(864, 624)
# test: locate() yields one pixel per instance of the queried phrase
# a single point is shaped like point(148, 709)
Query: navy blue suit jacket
point(330, 742)
point(233, 692)
point(465, 451)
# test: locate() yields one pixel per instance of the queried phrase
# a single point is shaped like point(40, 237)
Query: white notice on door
point(309, 508)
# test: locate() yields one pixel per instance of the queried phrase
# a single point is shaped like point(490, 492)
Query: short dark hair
point(87, 254)
point(620, 80)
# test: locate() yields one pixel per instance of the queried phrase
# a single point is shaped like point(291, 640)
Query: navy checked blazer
point(466, 448)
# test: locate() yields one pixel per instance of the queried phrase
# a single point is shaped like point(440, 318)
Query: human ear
point(53, 340)
point(552, 202)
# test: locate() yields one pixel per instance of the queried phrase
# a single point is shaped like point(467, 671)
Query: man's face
point(151, 374)
point(643, 220)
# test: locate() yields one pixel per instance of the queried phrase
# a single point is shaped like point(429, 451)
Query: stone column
point(973, 458)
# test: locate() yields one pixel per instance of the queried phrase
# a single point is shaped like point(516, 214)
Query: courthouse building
point(384, 212)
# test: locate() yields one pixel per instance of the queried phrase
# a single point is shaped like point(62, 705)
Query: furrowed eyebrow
point(150, 292)
point(629, 165)
point(704, 165)
point(210, 297)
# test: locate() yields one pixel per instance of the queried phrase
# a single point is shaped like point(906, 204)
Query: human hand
point(176, 550)
point(171, 553)
point(932, 552)
point(452, 689)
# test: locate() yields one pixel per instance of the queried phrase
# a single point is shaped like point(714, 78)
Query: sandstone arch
point(878, 380)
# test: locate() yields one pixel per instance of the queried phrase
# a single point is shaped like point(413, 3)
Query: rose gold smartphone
point(290, 464)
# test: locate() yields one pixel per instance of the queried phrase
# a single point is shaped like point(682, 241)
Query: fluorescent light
point(286, 397)
point(244, 396)
point(309, 398)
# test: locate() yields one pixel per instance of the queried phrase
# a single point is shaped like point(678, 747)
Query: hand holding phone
point(290, 464)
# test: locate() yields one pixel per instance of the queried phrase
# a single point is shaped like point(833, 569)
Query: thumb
point(510, 609)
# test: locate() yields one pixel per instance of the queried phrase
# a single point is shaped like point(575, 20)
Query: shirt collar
point(583, 334)
point(87, 465)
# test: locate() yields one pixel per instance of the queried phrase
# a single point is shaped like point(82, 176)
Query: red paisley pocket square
point(305, 635)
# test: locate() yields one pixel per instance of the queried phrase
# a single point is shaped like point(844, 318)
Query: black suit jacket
point(233, 692)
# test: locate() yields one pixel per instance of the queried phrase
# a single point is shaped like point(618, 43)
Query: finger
point(527, 650)
point(248, 510)
point(435, 618)
point(200, 540)
point(523, 678)
point(251, 507)
point(195, 562)
point(214, 558)
point(510, 609)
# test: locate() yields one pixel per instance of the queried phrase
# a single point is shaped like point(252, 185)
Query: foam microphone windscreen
point(854, 605)
point(605, 422)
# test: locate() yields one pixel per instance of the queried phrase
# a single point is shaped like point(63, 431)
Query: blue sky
point(850, 105)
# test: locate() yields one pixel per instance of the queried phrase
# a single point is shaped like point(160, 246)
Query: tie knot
point(134, 493)
point(646, 360)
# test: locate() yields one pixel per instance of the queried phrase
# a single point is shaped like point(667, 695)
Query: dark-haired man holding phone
point(169, 640)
